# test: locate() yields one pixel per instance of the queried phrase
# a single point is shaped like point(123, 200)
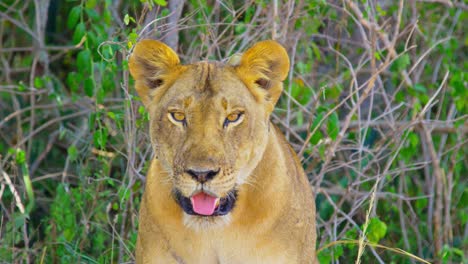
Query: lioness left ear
point(263, 69)
point(152, 64)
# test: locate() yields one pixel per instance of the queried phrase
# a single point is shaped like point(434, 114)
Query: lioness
point(224, 186)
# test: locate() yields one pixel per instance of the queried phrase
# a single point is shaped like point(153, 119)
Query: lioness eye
point(233, 118)
point(178, 116)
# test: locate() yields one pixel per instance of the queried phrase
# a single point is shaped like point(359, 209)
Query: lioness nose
point(202, 176)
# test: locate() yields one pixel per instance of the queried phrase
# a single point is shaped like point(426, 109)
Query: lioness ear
point(263, 69)
point(152, 64)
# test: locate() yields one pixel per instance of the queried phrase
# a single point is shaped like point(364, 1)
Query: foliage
point(375, 105)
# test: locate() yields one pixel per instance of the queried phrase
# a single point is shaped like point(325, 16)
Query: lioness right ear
point(263, 69)
point(152, 64)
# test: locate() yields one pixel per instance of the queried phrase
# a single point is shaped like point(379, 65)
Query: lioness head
point(209, 121)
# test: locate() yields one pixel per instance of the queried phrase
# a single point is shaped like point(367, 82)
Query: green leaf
point(333, 126)
point(321, 151)
point(90, 4)
point(413, 139)
point(73, 81)
point(421, 204)
point(126, 19)
point(381, 11)
point(324, 257)
point(457, 83)
point(141, 110)
point(72, 152)
point(73, 16)
point(79, 33)
point(338, 251)
point(376, 230)
point(21, 87)
point(333, 92)
point(107, 17)
point(316, 51)
point(377, 55)
point(300, 119)
point(89, 87)
point(416, 108)
point(132, 37)
point(100, 138)
point(240, 28)
point(464, 199)
point(69, 234)
point(111, 182)
point(62, 133)
point(100, 95)
point(83, 61)
point(402, 62)
point(315, 138)
point(20, 156)
point(38, 82)
point(302, 67)
point(19, 220)
point(108, 84)
point(111, 115)
point(420, 88)
point(28, 187)
point(400, 96)
point(93, 14)
point(92, 119)
point(351, 234)
point(160, 2)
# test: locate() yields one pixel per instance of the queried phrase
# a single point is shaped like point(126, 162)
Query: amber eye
point(178, 117)
point(233, 118)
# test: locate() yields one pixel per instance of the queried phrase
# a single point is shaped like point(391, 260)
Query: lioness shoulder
point(224, 186)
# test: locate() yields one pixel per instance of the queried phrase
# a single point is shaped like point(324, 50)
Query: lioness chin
point(224, 186)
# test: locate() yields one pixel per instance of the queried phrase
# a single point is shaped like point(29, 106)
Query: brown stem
point(439, 193)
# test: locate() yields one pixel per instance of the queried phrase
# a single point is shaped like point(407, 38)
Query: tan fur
point(273, 220)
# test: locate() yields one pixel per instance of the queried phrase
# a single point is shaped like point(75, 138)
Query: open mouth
point(203, 204)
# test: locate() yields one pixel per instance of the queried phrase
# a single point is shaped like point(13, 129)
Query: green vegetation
point(375, 105)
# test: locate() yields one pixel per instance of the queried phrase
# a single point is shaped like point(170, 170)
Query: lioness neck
point(270, 187)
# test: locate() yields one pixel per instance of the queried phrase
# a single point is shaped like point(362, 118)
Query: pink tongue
point(203, 203)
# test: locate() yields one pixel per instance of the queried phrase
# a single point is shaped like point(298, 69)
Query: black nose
point(202, 176)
